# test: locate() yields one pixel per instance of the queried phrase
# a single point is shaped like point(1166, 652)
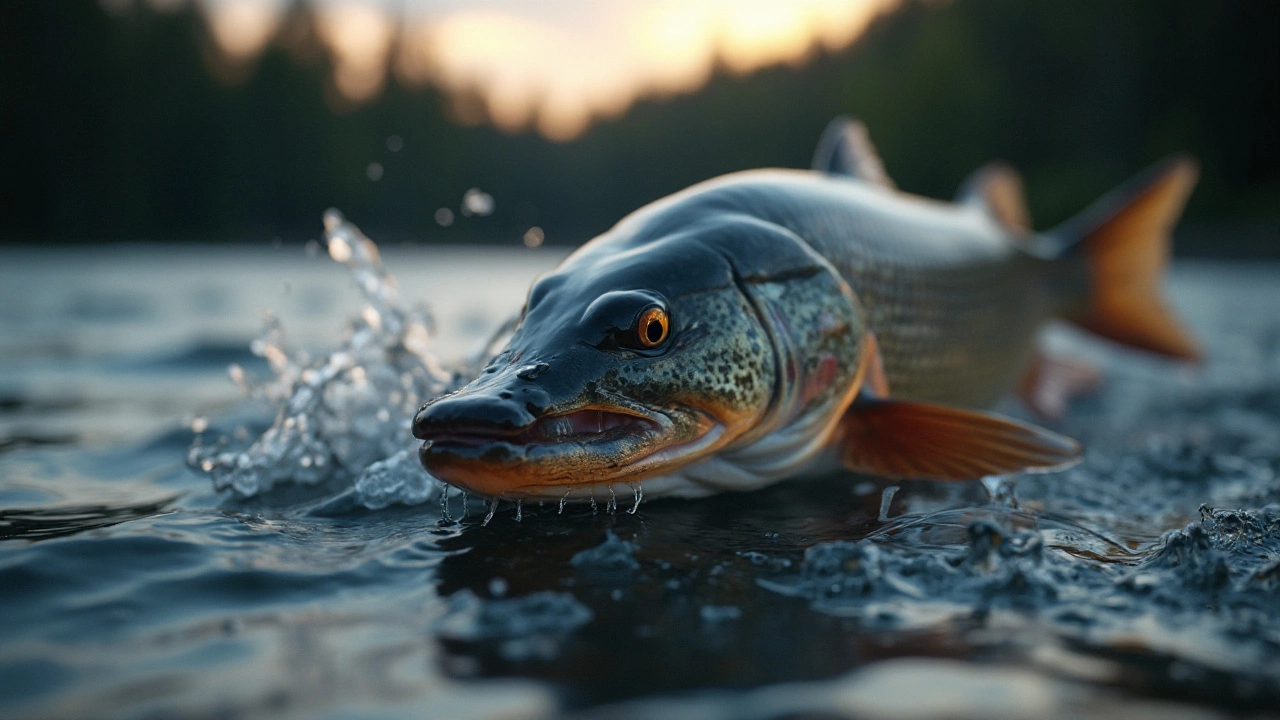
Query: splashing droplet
point(339, 249)
point(613, 502)
point(886, 499)
point(477, 202)
point(637, 490)
point(1002, 490)
point(534, 237)
point(493, 508)
point(519, 510)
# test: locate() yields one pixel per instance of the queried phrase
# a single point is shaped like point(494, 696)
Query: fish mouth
point(560, 452)
point(588, 425)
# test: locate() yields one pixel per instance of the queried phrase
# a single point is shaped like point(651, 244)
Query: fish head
point(625, 365)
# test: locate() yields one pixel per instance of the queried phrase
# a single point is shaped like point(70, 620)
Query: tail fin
point(1124, 238)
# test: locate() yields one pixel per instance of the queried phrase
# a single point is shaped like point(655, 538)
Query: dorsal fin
point(846, 149)
point(997, 188)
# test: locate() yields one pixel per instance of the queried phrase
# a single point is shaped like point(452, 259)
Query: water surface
point(309, 568)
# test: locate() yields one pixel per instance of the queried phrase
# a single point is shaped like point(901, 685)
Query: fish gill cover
point(1073, 559)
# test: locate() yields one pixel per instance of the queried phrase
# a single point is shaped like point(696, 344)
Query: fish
point(768, 323)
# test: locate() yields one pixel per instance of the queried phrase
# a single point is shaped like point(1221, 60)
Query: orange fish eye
point(652, 327)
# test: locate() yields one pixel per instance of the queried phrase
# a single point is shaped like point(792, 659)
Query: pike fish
point(769, 322)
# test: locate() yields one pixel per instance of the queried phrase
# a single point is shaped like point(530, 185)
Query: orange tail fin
point(1124, 238)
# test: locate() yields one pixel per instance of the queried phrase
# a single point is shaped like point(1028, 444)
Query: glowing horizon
point(555, 67)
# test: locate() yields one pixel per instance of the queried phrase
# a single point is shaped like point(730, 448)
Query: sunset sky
point(551, 65)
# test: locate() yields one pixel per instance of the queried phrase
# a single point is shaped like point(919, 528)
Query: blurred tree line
point(113, 127)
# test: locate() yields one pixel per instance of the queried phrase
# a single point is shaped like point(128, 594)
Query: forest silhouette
point(120, 126)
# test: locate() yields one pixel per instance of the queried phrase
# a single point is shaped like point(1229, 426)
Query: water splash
point(612, 556)
point(533, 626)
point(1205, 592)
point(344, 418)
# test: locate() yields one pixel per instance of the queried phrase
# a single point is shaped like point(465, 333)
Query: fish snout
point(491, 414)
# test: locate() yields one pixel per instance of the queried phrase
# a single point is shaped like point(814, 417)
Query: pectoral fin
point(1050, 383)
point(900, 439)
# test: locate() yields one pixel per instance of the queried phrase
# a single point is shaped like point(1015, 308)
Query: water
point(174, 542)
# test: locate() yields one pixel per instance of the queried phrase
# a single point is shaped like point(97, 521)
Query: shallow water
point(322, 580)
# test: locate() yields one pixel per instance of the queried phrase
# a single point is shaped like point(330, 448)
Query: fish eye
point(652, 327)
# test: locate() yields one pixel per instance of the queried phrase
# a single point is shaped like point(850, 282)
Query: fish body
point(953, 296)
point(745, 329)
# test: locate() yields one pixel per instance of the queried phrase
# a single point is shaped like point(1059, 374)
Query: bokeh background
point(242, 120)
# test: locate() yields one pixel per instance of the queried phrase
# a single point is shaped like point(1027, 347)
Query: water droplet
point(493, 508)
point(477, 202)
point(498, 587)
point(444, 217)
point(372, 316)
point(886, 499)
point(594, 509)
point(339, 249)
point(395, 143)
point(613, 502)
point(564, 499)
point(1002, 490)
point(519, 510)
point(374, 171)
point(638, 491)
point(534, 236)
point(531, 372)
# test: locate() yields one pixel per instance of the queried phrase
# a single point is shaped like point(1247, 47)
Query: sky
point(553, 65)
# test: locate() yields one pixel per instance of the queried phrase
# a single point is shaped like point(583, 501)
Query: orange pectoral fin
point(899, 439)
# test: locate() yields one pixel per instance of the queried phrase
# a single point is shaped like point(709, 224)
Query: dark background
point(112, 126)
